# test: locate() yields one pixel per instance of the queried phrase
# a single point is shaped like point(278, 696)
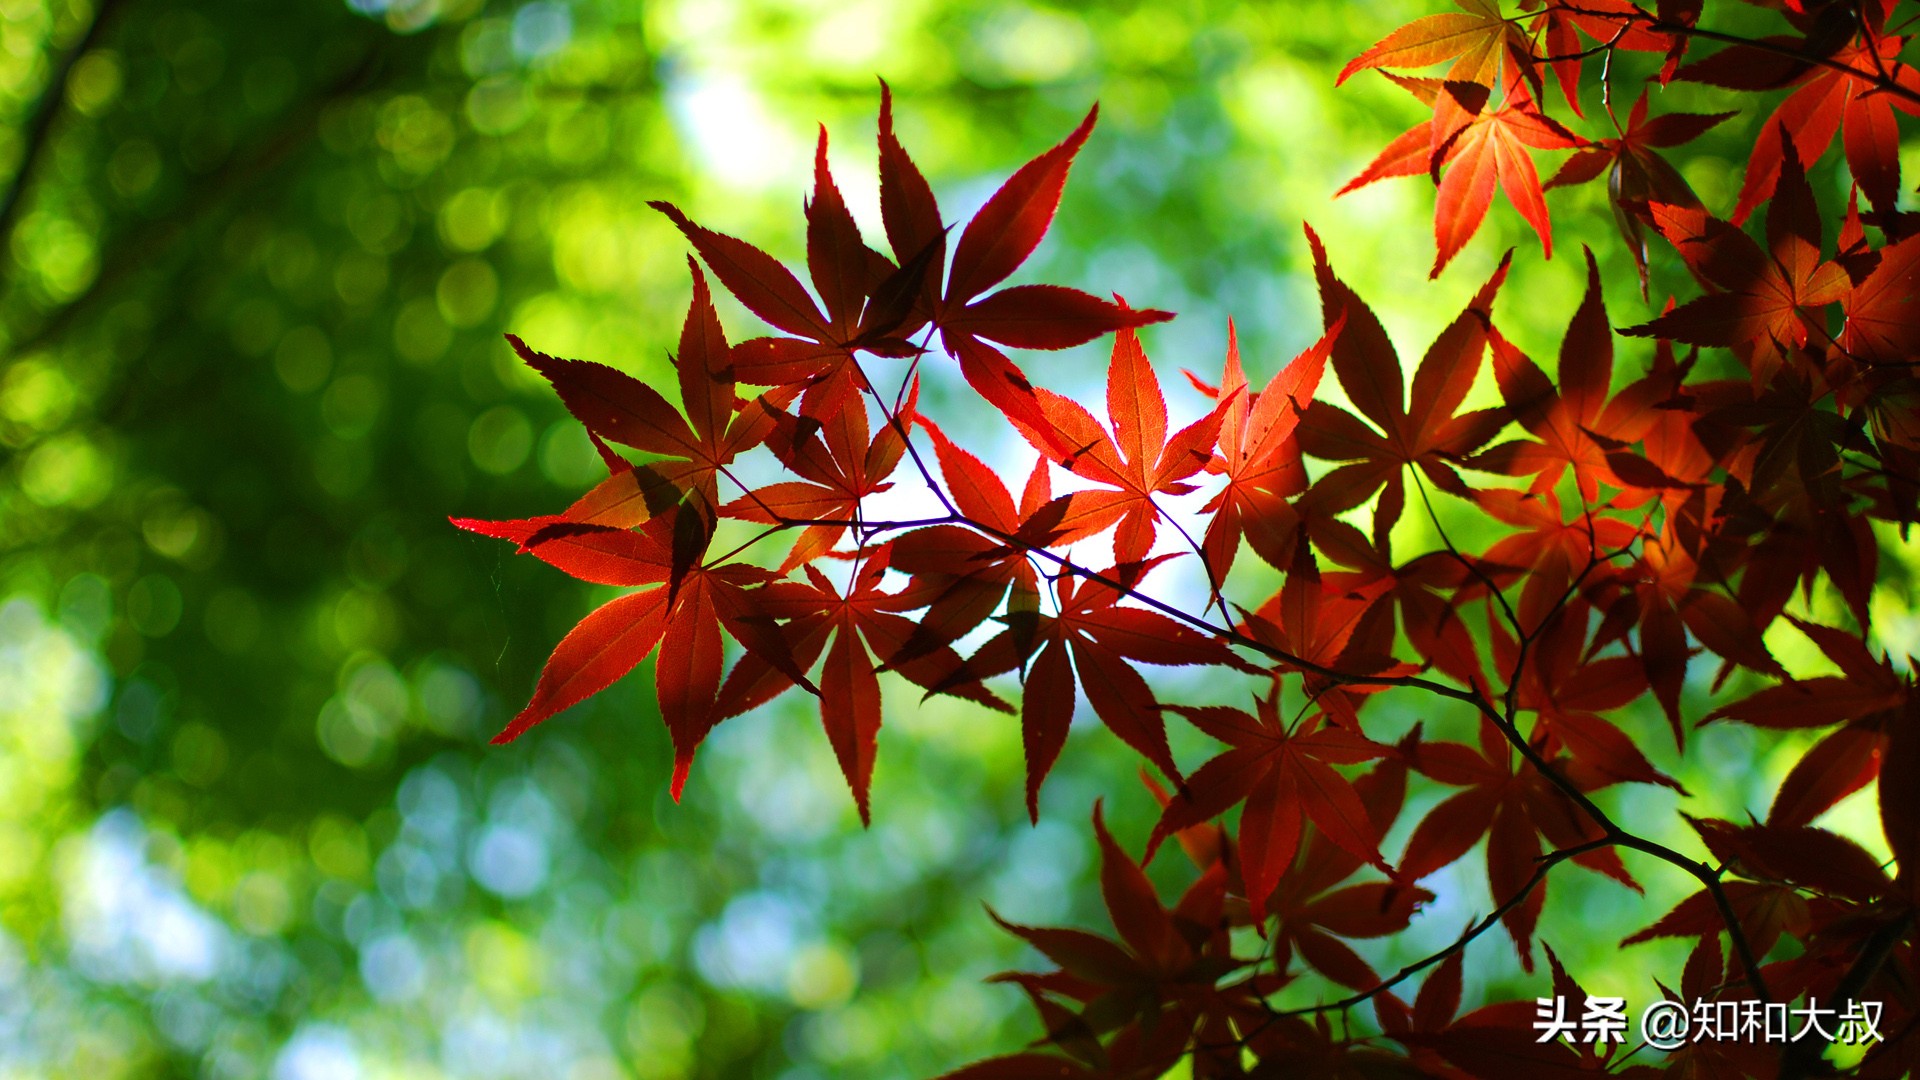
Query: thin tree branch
point(1611, 832)
point(1606, 46)
point(155, 239)
point(39, 126)
point(1663, 26)
point(1472, 567)
point(1547, 862)
point(1701, 872)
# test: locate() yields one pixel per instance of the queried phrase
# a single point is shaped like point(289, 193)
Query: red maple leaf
point(1103, 640)
point(1637, 176)
point(620, 408)
point(1883, 313)
point(1769, 301)
point(1489, 148)
point(1260, 457)
point(1845, 92)
point(1663, 595)
point(1610, 23)
point(1316, 623)
point(1870, 698)
point(1477, 39)
point(1424, 591)
point(1284, 773)
point(1514, 808)
point(682, 617)
point(1171, 972)
point(871, 303)
point(845, 272)
point(839, 467)
point(1428, 435)
point(1138, 461)
point(1480, 149)
point(1569, 687)
point(961, 572)
point(1574, 423)
point(863, 617)
point(1314, 910)
point(993, 245)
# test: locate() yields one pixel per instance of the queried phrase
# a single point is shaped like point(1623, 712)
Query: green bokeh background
point(251, 306)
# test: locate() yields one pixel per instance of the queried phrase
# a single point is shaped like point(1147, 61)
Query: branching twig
point(39, 125)
point(1547, 862)
point(140, 248)
point(1658, 25)
point(1611, 832)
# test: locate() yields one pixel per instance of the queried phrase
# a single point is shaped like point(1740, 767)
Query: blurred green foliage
point(258, 260)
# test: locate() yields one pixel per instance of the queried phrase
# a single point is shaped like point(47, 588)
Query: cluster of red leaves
point(1842, 59)
point(1643, 527)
